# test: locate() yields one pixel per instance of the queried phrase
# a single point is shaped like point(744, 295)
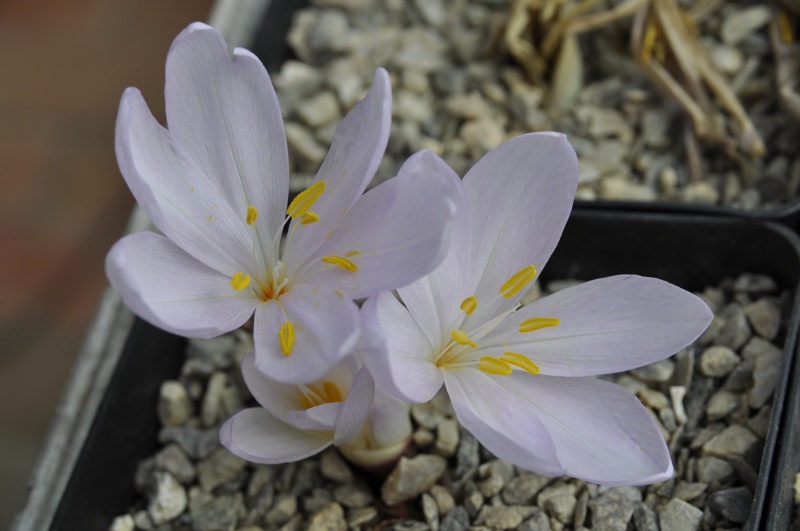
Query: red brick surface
point(63, 67)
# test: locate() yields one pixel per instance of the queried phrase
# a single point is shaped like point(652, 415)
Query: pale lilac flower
point(520, 378)
point(343, 408)
point(216, 185)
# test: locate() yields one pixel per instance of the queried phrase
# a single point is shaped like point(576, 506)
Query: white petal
point(356, 407)
point(224, 113)
point(170, 289)
point(520, 195)
point(257, 436)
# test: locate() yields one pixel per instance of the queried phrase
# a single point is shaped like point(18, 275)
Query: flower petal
point(520, 196)
point(504, 423)
point(394, 234)
point(170, 289)
point(325, 330)
point(321, 417)
point(607, 325)
point(255, 435)
point(224, 114)
point(408, 371)
point(601, 432)
point(434, 300)
point(356, 407)
point(175, 193)
point(389, 420)
point(358, 146)
point(277, 398)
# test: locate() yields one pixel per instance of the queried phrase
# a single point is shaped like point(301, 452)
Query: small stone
point(558, 501)
point(446, 437)
point(644, 518)
point(656, 128)
point(677, 393)
point(736, 330)
point(718, 361)
point(331, 518)
point(456, 520)
point(482, 134)
point(184, 436)
point(361, 516)
point(721, 404)
point(353, 495)
point(426, 415)
point(658, 372)
point(321, 109)
point(679, 515)
point(174, 406)
point(713, 470)
point(755, 284)
point(495, 475)
point(444, 500)
point(214, 513)
point(412, 477)
point(220, 467)
point(423, 437)
point(303, 145)
point(613, 509)
point(735, 440)
point(499, 517)
point(467, 456)
point(732, 504)
point(765, 317)
point(142, 521)
point(766, 373)
point(522, 489)
point(537, 522)
point(430, 510)
point(123, 523)
point(760, 422)
point(688, 491)
point(729, 59)
point(467, 106)
point(741, 377)
point(285, 507)
point(581, 509)
point(653, 398)
point(797, 488)
point(174, 460)
point(471, 499)
point(333, 467)
point(701, 192)
point(167, 500)
point(740, 24)
point(220, 400)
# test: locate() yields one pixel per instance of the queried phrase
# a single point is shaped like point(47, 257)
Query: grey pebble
point(732, 504)
point(362, 515)
point(765, 317)
point(447, 437)
point(167, 498)
point(430, 510)
point(537, 522)
point(613, 509)
point(645, 518)
point(717, 361)
point(658, 372)
point(679, 515)
point(736, 329)
point(411, 477)
point(220, 467)
point(333, 467)
point(174, 460)
point(331, 518)
point(559, 501)
point(500, 517)
point(735, 440)
point(353, 495)
point(522, 490)
point(766, 373)
point(713, 470)
point(213, 513)
point(174, 407)
point(282, 510)
point(721, 404)
point(456, 520)
point(467, 456)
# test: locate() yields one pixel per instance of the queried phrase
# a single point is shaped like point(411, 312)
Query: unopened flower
point(520, 378)
point(343, 408)
point(216, 185)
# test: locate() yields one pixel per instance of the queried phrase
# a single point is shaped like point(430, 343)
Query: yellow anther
point(521, 361)
point(309, 217)
point(494, 366)
point(340, 261)
point(352, 253)
point(518, 280)
point(339, 292)
point(305, 199)
point(537, 323)
point(286, 337)
point(332, 392)
point(252, 214)
point(784, 26)
point(240, 281)
point(308, 404)
point(469, 304)
point(462, 338)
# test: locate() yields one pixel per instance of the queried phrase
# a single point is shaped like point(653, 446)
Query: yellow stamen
point(462, 338)
point(784, 26)
point(306, 402)
point(339, 292)
point(305, 199)
point(469, 304)
point(521, 361)
point(352, 253)
point(518, 280)
point(537, 323)
point(332, 392)
point(309, 217)
point(340, 261)
point(286, 337)
point(240, 281)
point(252, 214)
point(494, 366)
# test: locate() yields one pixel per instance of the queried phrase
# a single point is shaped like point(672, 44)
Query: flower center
point(312, 395)
point(464, 349)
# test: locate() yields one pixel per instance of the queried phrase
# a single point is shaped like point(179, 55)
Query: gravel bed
point(454, 95)
point(711, 400)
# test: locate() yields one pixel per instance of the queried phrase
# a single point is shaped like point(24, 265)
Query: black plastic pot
point(691, 251)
